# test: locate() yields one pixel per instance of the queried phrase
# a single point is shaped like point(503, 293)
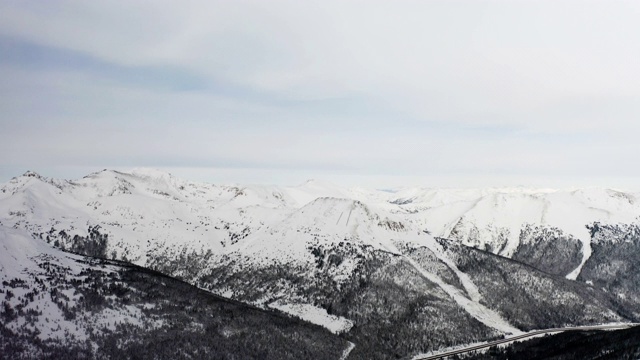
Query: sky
point(371, 93)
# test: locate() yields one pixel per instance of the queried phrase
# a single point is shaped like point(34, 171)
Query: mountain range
point(381, 274)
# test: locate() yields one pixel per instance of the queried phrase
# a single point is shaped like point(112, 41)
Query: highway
point(522, 336)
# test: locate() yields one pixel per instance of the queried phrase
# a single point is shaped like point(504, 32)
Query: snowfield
point(147, 206)
point(156, 220)
point(316, 315)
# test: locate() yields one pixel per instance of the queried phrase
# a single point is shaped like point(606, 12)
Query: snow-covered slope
point(329, 221)
point(324, 253)
point(32, 270)
point(493, 219)
point(145, 209)
point(147, 213)
point(57, 305)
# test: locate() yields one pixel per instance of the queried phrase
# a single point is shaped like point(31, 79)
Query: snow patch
point(586, 254)
point(316, 315)
point(483, 314)
point(347, 351)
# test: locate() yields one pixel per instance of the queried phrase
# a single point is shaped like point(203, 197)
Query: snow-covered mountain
point(57, 305)
point(145, 209)
point(502, 220)
point(402, 264)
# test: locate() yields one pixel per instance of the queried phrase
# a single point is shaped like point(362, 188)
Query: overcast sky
point(376, 93)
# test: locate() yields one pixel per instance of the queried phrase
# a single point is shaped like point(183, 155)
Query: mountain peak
point(31, 173)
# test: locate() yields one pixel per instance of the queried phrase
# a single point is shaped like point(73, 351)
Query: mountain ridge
point(340, 257)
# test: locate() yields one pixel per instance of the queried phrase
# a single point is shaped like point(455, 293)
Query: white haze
point(438, 93)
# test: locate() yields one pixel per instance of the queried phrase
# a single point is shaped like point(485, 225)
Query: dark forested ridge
point(395, 310)
point(549, 250)
point(68, 307)
point(530, 298)
point(614, 264)
point(574, 345)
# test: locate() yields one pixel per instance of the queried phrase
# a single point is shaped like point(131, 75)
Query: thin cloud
point(409, 89)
